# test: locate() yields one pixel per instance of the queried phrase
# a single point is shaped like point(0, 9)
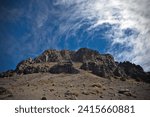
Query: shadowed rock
point(64, 67)
point(133, 71)
point(84, 54)
point(43, 98)
point(120, 72)
point(103, 66)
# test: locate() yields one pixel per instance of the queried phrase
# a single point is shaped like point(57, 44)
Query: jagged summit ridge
point(64, 61)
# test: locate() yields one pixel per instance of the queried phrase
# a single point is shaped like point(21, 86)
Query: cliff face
point(63, 61)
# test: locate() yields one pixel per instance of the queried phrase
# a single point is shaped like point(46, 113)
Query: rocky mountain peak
point(64, 61)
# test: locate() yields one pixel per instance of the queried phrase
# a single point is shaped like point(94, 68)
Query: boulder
point(126, 92)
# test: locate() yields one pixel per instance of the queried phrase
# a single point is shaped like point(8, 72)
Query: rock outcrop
point(97, 69)
point(63, 67)
point(119, 72)
point(29, 66)
point(85, 54)
point(62, 61)
point(133, 71)
point(103, 65)
point(54, 56)
point(8, 73)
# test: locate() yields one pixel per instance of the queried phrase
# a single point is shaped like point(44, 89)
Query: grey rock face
point(48, 56)
point(103, 65)
point(132, 70)
point(120, 72)
point(85, 54)
point(103, 71)
point(88, 65)
point(97, 69)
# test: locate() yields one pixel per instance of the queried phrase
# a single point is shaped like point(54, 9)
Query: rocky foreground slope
point(82, 74)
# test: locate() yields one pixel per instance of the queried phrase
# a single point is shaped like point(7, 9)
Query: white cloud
point(133, 14)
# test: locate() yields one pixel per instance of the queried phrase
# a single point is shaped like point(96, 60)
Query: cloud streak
point(68, 24)
point(126, 14)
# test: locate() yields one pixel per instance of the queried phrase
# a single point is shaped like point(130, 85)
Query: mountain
point(102, 65)
point(80, 63)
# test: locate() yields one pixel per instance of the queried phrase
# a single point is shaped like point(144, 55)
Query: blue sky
point(29, 27)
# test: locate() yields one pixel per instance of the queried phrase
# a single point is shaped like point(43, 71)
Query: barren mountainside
point(81, 74)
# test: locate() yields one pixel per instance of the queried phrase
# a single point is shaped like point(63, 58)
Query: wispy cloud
point(55, 22)
point(133, 14)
